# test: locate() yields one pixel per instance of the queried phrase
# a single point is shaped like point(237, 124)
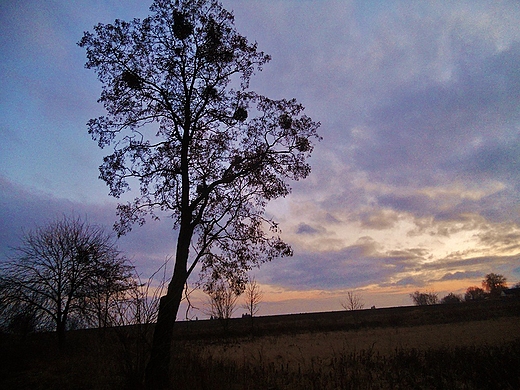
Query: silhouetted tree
point(352, 302)
point(60, 269)
point(494, 284)
point(422, 299)
point(109, 286)
point(474, 294)
point(20, 319)
point(253, 296)
point(222, 300)
point(451, 298)
point(203, 148)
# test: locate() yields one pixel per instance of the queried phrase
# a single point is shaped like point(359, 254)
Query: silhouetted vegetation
point(352, 302)
point(494, 284)
point(474, 294)
point(97, 359)
point(424, 299)
point(65, 275)
point(222, 301)
point(474, 367)
point(451, 298)
point(253, 297)
point(216, 152)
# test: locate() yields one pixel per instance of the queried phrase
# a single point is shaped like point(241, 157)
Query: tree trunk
point(60, 332)
point(157, 375)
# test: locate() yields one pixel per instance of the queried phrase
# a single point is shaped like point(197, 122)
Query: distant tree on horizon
point(474, 293)
point(424, 299)
point(494, 284)
point(352, 302)
point(222, 300)
point(253, 296)
point(451, 298)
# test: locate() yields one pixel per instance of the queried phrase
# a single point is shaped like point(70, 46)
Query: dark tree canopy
point(451, 298)
point(202, 148)
point(494, 284)
point(474, 293)
point(184, 126)
point(423, 299)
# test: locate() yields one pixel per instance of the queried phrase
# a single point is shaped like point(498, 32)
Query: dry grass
point(384, 349)
point(471, 355)
point(300, 348)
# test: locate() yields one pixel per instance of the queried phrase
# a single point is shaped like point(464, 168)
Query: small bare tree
point(140, 304)
point(352, 302)
point(133, 316)
point(253, 296)
point(222, 301)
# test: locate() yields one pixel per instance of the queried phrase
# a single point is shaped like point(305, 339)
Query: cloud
point(24, 209)
point(436, 101)
point(303, 228)
point(419, 107)
point(407, 282)
point(462, 275)
point(357, 265)
point(378, 219)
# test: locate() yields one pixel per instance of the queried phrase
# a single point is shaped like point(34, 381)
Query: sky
point(415, 185)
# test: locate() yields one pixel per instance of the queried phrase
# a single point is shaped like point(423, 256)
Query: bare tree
point(424, 299)
point(63, 271)
point(253, 296)
point(108, 287)
point(222, 300)
point(133, 315)
point(140, 304)
point(352, 302)
point(203, 147)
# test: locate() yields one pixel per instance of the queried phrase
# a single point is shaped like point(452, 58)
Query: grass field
point(406, 348)
point(466, 355)
point(301, 348)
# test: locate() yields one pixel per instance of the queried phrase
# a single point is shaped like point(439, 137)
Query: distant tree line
point(492, 287)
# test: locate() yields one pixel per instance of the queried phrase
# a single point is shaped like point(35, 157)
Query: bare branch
point(352, 302)
point(253, 297)
point(67, 269)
